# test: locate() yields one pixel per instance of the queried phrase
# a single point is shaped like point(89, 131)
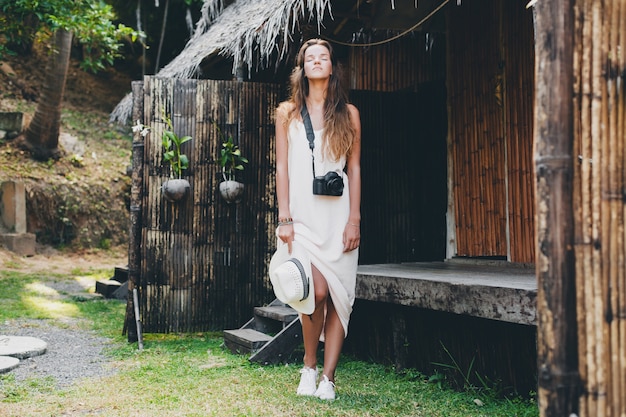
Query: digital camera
point(329, 184)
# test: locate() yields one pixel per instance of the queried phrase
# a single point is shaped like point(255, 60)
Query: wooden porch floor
point(496, 290)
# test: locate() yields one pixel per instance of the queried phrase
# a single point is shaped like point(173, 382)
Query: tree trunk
point(163, 28)
point(42, 135)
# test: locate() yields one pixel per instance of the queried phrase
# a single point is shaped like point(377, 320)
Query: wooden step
point(272, 319)
point(120, 274)
point(107, 287)
point(241, 341)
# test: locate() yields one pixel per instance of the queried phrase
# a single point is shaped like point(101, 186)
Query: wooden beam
point(491, 292)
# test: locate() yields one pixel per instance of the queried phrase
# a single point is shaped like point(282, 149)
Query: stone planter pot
point(231, 191)
point(175, 190)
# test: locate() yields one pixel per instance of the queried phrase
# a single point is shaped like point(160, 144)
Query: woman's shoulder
point(354, 112)
point(353, 109)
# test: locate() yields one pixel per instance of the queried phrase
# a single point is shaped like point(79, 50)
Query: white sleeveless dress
point(319, 221)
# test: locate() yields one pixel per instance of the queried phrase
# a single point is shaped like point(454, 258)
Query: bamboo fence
point(599, 196)
point(201, 263)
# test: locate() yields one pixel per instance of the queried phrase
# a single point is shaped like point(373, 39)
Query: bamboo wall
point(599, 203)
point(203, 262)
point(490, 65)
point(400, 65)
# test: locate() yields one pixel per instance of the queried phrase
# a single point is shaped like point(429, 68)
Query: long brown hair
point(338, 130)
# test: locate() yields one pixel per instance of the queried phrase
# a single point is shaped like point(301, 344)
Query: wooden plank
point(497, 293)
point(278, 313)
point(250, 339)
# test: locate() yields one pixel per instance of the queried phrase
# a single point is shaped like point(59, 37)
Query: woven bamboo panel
point(477, 134)
point(490, 66)
point(204, 261)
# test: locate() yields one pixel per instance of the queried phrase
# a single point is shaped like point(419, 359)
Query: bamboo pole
point(598, 277)
point(611, 222)
point(619, 61)
point(581, 247)
point(620, 109)
point(580, 206)
point(558, 380)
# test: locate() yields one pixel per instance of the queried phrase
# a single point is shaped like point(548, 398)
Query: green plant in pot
point(231, 161)
point(176, 187)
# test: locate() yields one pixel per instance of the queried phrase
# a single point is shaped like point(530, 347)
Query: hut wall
point(399, 89)
point(490, 92)
point(401, 65)
point(490, 66)
point(203, 262)
point(489, 59)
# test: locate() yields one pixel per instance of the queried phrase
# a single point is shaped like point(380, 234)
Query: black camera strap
point(310, 135)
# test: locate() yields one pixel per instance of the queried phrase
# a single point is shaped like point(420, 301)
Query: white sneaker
point(326, 389)
point(308, 380)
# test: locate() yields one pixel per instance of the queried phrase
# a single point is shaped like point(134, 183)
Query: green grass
point(194, 375)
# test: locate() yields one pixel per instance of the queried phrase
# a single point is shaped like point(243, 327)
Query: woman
point(328, 226)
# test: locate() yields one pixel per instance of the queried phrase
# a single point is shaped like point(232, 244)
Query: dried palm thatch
point(249, 31)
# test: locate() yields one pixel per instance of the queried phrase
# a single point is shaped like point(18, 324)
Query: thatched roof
point(247, 30)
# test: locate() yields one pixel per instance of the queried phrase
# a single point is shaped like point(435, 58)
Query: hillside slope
point(79, 201)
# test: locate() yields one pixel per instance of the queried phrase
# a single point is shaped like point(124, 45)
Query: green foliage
point(231, 159)
point(484, 390)
point(77, 160)
point(172, 147)
point(454, 366)
point(91, 22)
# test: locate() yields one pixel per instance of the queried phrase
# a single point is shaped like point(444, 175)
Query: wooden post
point(134, 240)
point(557, 350)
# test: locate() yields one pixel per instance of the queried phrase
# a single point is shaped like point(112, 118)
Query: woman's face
point(317, 62)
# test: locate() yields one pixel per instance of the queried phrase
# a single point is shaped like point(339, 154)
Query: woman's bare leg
point(312, 325)
point(333, 340)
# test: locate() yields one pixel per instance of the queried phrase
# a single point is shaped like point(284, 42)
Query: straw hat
point(292, 279)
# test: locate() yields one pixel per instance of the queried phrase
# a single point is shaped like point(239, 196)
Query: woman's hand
point(351, 237)
point(286, 234)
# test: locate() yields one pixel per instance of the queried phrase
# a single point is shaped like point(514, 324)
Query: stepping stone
point(7, 363)
point(21, 347)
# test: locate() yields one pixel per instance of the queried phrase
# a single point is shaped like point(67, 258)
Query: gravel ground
point(73, 352)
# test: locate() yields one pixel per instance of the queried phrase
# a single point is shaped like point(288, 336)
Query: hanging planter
point(231, 161)
point(231, 191)
point(175, 188)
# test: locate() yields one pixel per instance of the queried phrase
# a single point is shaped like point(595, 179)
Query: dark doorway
point(404, 174)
